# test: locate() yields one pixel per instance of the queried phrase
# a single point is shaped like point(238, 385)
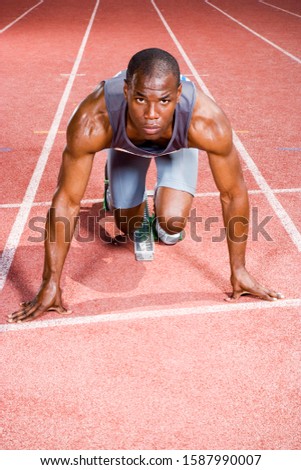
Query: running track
point(152, 357)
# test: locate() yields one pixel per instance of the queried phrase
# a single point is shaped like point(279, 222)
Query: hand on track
point(47, 299)
point(243, 283)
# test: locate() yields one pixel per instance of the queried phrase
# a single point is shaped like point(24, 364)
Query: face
point(151, 105)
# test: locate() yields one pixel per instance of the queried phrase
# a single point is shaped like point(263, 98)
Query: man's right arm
point(87, 133)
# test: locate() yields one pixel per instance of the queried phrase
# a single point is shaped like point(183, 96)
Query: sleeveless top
point(117, 108)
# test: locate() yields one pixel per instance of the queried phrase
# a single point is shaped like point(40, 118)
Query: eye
point(165, 101)
point(140, 100)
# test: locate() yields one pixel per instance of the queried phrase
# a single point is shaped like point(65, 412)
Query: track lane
point(18, 226)
point(292, 7)
point(32, 84)
point(11, 13)
point(265, 23)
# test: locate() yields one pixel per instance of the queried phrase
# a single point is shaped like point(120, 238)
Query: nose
point(151, 113)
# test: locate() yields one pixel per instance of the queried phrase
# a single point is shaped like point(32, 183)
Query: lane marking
point(253, 191)
point(296, 59)
point(278, 8)
point(21, 16)
point(47, 132)
point(191, 75)
point(290, 149)
point(20, 221)
point(150, 192)
point(68, 74)
point(279, 210)
point(140, 315)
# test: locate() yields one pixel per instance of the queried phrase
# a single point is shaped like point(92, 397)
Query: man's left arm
point(227, 173)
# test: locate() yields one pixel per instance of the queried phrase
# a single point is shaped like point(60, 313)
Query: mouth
point(150, 130)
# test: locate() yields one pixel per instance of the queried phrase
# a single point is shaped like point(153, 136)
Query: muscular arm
point(228, 177)
point(211, 131)
point(62, 216)
point(87, 133)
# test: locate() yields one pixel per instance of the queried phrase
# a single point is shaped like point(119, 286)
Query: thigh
point(176, 186)
point(126, 173)
point(178, 170)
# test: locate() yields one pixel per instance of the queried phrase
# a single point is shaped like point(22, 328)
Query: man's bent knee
point(170, 229)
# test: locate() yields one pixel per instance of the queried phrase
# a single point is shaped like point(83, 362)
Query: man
point(149, 112)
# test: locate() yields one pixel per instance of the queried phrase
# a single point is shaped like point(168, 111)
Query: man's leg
point(177, 179)
point(126, 174)
point(172, 209)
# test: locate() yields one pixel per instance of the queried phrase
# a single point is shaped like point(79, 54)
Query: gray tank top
point(117, 106)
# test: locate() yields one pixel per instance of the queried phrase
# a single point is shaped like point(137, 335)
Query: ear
point(125, 89)
point(179, 92)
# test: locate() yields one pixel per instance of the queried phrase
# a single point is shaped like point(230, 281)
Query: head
point(152, 89)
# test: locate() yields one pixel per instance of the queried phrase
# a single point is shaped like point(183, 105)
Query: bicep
point(85, 136)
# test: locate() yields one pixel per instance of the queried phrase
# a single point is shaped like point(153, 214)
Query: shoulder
point(210, 129)
point(89, 127)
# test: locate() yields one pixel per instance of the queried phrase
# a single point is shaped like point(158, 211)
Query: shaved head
point(150, 62)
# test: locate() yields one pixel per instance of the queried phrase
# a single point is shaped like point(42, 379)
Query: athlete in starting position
point(148, 111)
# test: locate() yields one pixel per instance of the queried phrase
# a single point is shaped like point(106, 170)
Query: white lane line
point(283, 216)
point(278, 8)
point(18, 226)
point(173, 312)
point(252, 191)
point(150, 192)
point(278, 208)
point(48, 203)
point(20, 17)
point(296, 59)
point(283, 191)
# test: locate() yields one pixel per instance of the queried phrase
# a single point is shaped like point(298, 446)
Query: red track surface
point(204, 378)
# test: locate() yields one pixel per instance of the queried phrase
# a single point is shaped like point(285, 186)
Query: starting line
point(226, 307)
